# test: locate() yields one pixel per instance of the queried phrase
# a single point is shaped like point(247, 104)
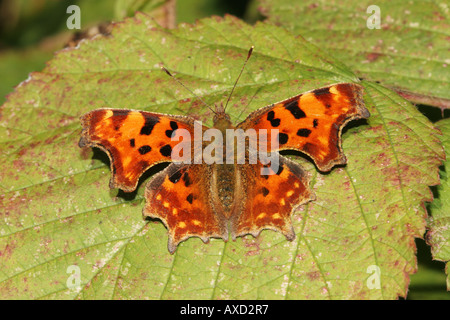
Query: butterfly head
point(221, 119)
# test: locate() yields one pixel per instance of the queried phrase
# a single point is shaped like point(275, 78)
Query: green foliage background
point(31, 41)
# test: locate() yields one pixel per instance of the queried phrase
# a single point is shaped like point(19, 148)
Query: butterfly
point(221, 199)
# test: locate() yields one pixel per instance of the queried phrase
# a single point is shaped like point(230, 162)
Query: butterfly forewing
point(133, 140)
point(311, 122)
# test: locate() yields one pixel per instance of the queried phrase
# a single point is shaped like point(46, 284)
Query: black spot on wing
point(173, 126)
point(304, 132)
point(132, 143)
point(166, 150)
point(190, 198)
point(120, 112)
point(187, 180)
point(321, 91)
point(274, 122)
point(264, 191)
point(150, 122)
point(144, 149)
point(119, 117)
point(283, 138)
point(315, 123)
point(294, 109)
point(175, 177)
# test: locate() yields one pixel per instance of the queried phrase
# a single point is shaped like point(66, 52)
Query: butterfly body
point(236, 194)
point(225, 177)
point(223, 174)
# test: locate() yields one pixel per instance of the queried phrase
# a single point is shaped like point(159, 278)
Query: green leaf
point(439, 234)
point(409, 52)
point(58, 214)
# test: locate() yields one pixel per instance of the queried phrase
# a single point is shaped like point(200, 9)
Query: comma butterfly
point(204, 199)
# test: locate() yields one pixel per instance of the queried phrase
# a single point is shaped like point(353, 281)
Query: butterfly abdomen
point(224, 183)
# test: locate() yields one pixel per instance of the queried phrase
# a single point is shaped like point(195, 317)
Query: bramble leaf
point(65, 235)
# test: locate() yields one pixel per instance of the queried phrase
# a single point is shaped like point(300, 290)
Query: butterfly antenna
point(243, 67)
point(181, 83)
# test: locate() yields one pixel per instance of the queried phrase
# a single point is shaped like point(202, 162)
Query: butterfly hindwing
point(181, 197)
point(271, 197)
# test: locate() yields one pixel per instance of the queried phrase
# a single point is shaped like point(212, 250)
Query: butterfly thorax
point(224, 174)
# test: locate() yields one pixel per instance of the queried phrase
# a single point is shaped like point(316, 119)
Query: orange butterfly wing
point(312, 122)
point(133, 140)
point(270, 199)
point(181, 197)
